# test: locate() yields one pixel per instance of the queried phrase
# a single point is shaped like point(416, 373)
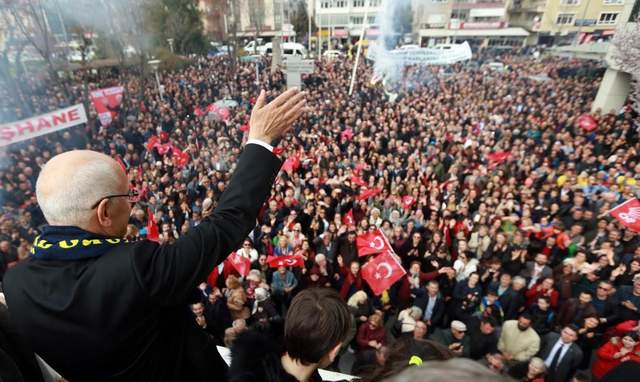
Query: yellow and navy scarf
point(70, 243)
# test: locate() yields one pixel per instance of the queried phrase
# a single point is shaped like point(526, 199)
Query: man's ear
point(104, 217)
point(334, 352)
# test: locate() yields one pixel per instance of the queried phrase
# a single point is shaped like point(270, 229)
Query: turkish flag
point(292, 163)
point(358, 181)
point(407, 201)
point(240, 263)
point(367, 193)
point(180, 158)
point(348, 219)
point(152, 142)
point(628, 214)
point(382, 271)
point(372, 242)
point(278, 150)
point(152, 227)
point(587, 123)
point(498, 156)
point(286, 261)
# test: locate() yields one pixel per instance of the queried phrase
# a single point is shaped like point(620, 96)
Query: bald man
point(97, 308)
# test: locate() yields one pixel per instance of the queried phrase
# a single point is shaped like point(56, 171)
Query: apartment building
point(483, 23)
point(342, 21)
point(562, 22)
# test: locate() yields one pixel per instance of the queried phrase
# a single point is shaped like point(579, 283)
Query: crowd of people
point(492, 196)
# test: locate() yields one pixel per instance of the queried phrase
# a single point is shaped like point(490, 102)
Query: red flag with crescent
point(372, 242)
point(240, 263)
point(407, 201)
point(628, 214)
point(285, 261)
point(348, 219)
point(368, 193)
point(382, 272)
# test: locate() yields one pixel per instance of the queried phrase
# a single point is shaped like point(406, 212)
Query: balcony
point(537, 6)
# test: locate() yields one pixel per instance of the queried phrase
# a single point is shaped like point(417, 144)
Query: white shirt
point(556, 347)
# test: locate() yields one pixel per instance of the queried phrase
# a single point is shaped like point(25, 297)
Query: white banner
point(42, 124)
point(445, 54)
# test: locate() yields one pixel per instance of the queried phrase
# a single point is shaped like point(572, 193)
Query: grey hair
point(455, 369)
point(70, 201)
point(416, 312)
point(520, 279)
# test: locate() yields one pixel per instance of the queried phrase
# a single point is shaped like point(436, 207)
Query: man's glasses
point(133, 197)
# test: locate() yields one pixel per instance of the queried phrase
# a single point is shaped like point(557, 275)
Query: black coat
point(567, 365)
point(124, 315)
point(17, 361)
point(437, 317)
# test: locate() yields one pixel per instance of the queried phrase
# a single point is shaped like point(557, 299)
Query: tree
point(256, 17)
point(28, 17)
point(300, 20)
point(627, 55)
point(179, 20)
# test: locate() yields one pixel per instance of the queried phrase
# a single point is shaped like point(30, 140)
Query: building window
point(565, 19)
point(357, 20)
point(613, 2)
point(375, 3)
point(570, 2)
point(371, 20)
point(325, 4)
point(358, 3)
point(608, 18)
point(341, 3)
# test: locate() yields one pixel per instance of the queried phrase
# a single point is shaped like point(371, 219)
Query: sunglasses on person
point(133, 197)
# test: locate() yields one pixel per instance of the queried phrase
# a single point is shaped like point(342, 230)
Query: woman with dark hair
point(615, 352)
point(404, 353)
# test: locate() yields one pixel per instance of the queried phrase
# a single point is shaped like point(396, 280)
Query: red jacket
point(605, 361)
point(536, 291)
point(365, 334)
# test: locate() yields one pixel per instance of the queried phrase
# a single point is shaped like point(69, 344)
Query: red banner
point(367, 193)
point(106, 101)
point(348, 219)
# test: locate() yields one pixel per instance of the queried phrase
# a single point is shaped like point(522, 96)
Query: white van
point(288, 49)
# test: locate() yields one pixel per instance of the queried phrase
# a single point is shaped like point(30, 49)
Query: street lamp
point(170, 41)
point(154, 65)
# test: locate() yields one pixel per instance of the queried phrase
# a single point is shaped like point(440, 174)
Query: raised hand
point(271, 121)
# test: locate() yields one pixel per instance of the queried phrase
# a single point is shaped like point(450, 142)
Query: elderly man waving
point(97, 308)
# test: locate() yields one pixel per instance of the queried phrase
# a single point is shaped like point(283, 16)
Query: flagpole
point(355, 65)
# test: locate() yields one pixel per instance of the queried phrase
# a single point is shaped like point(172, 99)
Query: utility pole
point(355, 65)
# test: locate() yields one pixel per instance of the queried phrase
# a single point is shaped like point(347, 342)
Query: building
point(564, 22)
point(616, 84)
point(342, 21)
point(214, 18)
point(264, 18)
point(483, 23)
